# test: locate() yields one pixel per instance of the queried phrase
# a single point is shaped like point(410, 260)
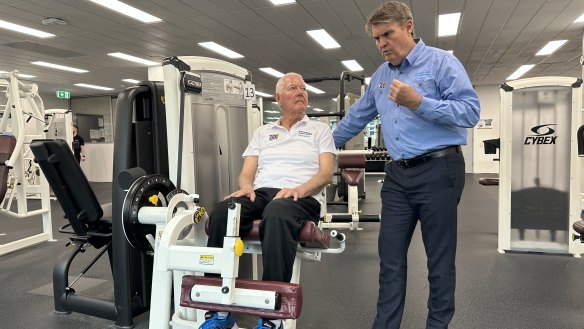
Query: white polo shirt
point(287, 159)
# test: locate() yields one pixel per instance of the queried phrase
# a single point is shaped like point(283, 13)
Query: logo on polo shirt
point(382, 85)
point(272, 137)
point(303, 133)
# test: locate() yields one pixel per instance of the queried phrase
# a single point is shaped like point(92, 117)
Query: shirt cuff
point(426, 106)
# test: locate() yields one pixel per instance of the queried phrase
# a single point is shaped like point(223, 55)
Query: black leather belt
point(409, 163)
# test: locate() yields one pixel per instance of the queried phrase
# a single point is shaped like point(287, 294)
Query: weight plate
point(146, 191)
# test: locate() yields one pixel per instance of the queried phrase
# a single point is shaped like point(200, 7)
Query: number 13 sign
point(249, 91)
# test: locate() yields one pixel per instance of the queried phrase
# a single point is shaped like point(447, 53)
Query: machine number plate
point(249, 91)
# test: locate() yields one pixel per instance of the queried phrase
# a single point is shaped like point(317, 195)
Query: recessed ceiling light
point(352, 65)
point(323, 38)
point(127, 10)
point(579, 19)
point(134, 81)
point(263, 94)
point(272, 72)
point(133, 59)
point(24, 29)
point(448, 24)
point(551, 47)
point(282, 2)
point(220, 49)
point(314, 90)
point(60, 67)
point(85, 85)
point(520, 71)
point(26, 76)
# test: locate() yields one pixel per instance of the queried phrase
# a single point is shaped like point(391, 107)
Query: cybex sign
point(544, 134)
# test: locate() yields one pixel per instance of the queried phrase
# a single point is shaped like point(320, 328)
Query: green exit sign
point(63, 94)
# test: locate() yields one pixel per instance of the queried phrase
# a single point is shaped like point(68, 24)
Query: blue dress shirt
point(449, 105)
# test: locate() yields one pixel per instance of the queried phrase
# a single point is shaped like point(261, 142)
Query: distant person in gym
point(426, 102)
point(78, 145)
point(287, 164)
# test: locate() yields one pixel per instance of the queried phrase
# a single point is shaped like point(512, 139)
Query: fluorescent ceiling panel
point(24, 29)
point(60, 67)
point(85, 85)
point(318, 110)
point(323, 38)
point(367, 80)
point(259, 93)
point(220, 49)
point(134, 81)
point(282, 2)
point(314, 90)
point(579, 19)
point(520, 71)
point(352, 65)
point(127, 10)
point(448, 24)
point(272, 72)
point(551, 47)
point(133, 59)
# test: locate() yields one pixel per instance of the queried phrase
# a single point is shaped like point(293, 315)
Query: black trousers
point(282, 220)
point(428, 193)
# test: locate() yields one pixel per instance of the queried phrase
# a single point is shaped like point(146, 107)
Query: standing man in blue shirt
point(425, 101)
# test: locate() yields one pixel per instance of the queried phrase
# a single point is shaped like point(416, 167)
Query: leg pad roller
point(290, 293)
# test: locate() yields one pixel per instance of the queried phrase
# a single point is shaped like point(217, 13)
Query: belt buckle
point(404, 163)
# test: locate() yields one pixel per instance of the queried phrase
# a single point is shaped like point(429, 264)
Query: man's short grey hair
point(280, 84)
point(388, 12)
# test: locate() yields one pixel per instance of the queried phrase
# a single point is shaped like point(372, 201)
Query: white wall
point(490, 109)
point(51, 101)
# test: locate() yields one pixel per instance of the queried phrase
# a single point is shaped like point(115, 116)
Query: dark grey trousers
point(428, 193)
point(282, 220)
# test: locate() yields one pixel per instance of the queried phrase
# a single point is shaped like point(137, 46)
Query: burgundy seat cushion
point(7, 144)
point(310, 235)
point(352, 161)
point(352, 176)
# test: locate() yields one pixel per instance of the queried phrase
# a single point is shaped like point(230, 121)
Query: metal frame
point(173, 258)
point(21, 187)
point(504, 236)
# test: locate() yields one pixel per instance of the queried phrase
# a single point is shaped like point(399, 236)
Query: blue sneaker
point(267, 324)
point(214, 321)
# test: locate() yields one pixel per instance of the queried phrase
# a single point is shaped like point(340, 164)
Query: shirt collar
point(305, 119)
point(413, 55)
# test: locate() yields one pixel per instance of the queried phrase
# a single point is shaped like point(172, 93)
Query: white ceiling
point(495, 37)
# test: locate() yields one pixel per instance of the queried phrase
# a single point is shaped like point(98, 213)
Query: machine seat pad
point(578, 226)
point(352, 176)
point(489, 181)
point(352, 161)
point(107, 213)
point(310, 236)
point(7, 145)
point(291, 294)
